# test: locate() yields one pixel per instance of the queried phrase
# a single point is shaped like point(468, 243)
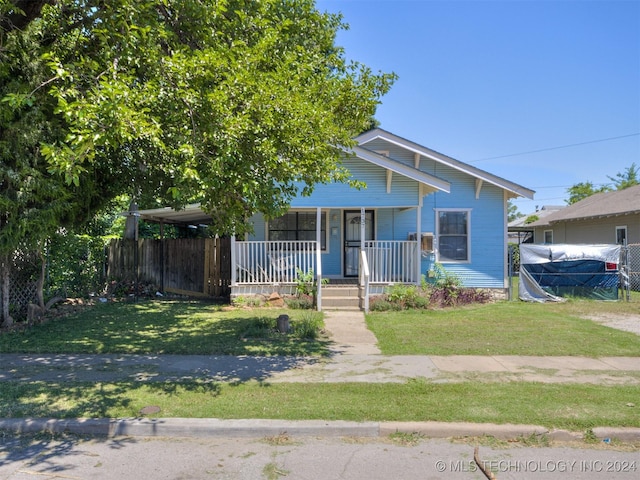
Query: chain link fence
point(633, 266)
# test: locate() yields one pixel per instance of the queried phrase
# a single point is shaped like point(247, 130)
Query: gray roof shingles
point(607, 204)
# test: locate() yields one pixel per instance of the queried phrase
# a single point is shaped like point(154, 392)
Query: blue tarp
point(551, 272)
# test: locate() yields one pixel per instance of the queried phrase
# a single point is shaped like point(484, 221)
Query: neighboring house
point(342, 233)
point(603, 218)
point(520, 230)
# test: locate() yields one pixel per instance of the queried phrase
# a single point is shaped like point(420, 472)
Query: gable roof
point(429, 181)
point(599, 205)
point(513, 188)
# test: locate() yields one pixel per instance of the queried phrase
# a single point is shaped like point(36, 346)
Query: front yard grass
point(573, 407)
point(170, 327)
point(191, 327)
point(507, 328)
point(167, 327)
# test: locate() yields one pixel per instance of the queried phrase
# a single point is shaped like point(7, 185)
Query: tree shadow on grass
point(162, 327)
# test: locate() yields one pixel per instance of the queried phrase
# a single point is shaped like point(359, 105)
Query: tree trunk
point(7, 321)
point(28, 10)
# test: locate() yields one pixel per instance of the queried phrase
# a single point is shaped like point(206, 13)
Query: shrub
point(402, 294)
point(301, 302)
point(382, 304)
point(308, 327)
point(76, 265)
point(446, 291)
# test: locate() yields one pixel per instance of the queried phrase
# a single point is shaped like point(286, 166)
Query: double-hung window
point(453, 235)
point(621, 235)
point(298, 226)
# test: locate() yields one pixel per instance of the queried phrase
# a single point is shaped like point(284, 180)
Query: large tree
point(233, 103)
point(238, 104)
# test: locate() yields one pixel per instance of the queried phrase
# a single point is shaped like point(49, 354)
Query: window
point(453, 235)
point(548, 236)
point(301, 226)
point(621, 235)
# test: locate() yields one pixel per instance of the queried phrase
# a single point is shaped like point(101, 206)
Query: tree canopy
point(626, 179)
point(621, 181)
point(583, 190)
point(237, 104)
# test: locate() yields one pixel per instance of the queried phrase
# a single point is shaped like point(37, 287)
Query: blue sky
point(485, 79)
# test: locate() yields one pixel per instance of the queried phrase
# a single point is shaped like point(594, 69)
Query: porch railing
point(392, 261)
point(270, 262)
point(273, 261)
point(364, 280)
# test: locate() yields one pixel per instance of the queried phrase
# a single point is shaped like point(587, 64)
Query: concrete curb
point(191, 427)
point(213, 427)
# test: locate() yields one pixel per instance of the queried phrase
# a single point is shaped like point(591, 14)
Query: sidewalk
point(355, 358)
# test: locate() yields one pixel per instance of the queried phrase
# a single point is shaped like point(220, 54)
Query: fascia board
point(519, 190)
point(401, 169)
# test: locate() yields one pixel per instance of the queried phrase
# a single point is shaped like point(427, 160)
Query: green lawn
point(203, 328)
point(506, 328)
point(169, 327)
point(183, 327)
point(574, 407)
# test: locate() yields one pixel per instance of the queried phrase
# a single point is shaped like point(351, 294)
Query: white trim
point(419, 240)
point(626, 238)
point(505, 242)
point(378, 133)
point(437, 237)
point(478, 187)
point(544, 237)
point(432, 183)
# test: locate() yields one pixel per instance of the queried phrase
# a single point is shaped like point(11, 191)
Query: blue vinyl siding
point(395, 223)
point(395, 213)
point(404, 192)
point(487, 226)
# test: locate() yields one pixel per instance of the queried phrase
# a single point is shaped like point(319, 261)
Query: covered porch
point(264, 266)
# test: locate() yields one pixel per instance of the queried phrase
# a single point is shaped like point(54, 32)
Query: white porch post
point(234, 277)
point(363, 220)
point(419, 233)
point(318, 225)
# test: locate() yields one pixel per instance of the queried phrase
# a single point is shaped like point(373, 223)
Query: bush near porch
point(445, 290)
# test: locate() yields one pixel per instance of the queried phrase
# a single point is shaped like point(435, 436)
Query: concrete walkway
point(355, 358)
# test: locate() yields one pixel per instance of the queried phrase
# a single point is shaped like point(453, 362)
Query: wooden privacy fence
point(187, 266)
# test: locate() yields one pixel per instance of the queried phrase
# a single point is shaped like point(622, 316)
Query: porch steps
point(340, 297)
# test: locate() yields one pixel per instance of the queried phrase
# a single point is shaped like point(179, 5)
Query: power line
point(557, 148)
point(569, 186)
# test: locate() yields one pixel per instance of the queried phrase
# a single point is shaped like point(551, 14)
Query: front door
point(352, 236)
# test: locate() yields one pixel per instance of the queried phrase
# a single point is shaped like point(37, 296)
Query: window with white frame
point(548, 236)
point(293, 226)
point(621, 235)
point(453, 235)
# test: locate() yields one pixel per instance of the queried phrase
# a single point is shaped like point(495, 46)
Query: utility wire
point(557, 148)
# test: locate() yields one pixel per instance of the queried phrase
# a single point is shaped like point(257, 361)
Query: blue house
point(419, 207)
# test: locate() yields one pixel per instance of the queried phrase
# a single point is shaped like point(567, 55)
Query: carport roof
point(189, 215)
